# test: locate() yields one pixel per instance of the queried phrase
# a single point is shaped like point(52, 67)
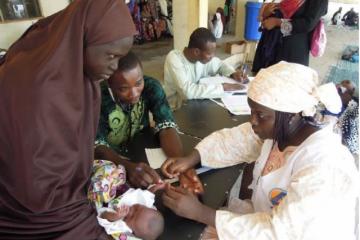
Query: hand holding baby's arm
point(172, 167)
point(190, 180)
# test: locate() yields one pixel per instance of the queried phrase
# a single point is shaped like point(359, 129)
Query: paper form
point(236, 104)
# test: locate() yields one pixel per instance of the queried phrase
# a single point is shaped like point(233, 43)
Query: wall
point(10, 32)
point(240, 19)
point(185, 20)
point(214, 4)
point(203, 13)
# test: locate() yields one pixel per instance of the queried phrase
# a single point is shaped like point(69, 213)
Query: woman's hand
point(172, 167)
point(182, 202)
point(271, 23)
point(185, 204)
point(141, 175)
point(190, 181)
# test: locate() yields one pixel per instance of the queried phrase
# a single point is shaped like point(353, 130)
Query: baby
point(122, 211)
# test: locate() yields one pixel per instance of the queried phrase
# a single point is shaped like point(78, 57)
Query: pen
point(239, 93)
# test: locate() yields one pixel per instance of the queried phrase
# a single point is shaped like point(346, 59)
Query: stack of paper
point(156, 157)
point(221, 79)
point(236, 104)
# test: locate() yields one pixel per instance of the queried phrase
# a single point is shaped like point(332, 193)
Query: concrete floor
point(338, 38)
point(153, 54)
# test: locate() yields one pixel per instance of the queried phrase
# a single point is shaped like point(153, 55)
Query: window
point(11, 10)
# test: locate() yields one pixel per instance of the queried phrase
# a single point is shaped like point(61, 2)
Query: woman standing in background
point(287, 29)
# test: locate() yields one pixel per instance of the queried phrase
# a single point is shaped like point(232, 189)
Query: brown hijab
point(49, 112)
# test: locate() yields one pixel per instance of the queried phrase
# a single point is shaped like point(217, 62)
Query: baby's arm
point(120, 213)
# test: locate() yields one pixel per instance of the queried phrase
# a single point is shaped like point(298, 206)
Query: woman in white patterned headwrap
point(304, 181)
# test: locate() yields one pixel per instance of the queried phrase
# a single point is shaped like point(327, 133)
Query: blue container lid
point(254, 4)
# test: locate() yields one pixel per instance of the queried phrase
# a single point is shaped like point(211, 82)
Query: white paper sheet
point(217, 80)
point(236, 104)
point(221, 79)
point(202, 170)
point(155, 156)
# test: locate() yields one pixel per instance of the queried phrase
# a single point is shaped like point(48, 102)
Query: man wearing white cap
point(304, 181)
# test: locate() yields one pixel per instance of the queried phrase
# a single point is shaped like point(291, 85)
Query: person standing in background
point(287, 28)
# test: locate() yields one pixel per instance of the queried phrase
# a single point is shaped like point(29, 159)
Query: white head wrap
point(292, 88)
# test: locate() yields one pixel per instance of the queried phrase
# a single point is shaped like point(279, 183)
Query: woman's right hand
point(172, 167)
point(269, 9)
point(141, 175)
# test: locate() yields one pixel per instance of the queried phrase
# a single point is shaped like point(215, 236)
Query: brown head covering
point(48, 117)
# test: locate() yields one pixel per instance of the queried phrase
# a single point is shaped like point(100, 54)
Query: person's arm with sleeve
point(316, 186)
point(181, 78)
point(168, 133)
point(217, 66)
point(165, 126)
point(301, 214)
point(223, 148)
point(139, 174)
point(313, 12)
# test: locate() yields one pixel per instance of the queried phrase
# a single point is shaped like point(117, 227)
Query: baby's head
point(146, 223)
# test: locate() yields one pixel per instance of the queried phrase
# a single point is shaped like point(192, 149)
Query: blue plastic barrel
point(251, 23)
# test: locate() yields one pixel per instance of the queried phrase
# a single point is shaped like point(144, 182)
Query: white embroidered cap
point(292, 88)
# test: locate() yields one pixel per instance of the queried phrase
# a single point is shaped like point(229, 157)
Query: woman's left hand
point(182, 202)
point(271, 23)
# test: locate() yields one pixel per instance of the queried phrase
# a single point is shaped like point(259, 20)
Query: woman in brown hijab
point(49, 109)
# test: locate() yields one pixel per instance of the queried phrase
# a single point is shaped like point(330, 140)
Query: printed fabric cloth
point(117, 126)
